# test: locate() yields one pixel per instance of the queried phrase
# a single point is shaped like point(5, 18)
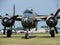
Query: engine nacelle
point(51, 21)
point(7, 22)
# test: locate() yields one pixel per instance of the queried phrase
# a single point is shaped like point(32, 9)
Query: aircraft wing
point(37, 17)
point(18, 18)
point(41, 17)
point(58, 16)
point(44, 17)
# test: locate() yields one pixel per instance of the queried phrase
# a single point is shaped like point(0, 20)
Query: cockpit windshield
point(28, 14)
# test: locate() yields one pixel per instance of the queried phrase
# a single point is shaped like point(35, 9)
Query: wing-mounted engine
point(7, 22)
point(51, 21)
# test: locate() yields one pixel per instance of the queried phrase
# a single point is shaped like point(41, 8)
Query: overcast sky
point(45, 7)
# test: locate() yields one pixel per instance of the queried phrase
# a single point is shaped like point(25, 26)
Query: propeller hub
point(51, 21)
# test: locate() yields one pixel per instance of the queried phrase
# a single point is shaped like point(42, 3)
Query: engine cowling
point(7, 22)
point(51, 21)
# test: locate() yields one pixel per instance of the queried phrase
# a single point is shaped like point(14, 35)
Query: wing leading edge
point(44, 17)
point(40, 17)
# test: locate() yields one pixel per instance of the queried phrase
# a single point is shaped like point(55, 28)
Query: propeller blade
point(14, 14)
point(56, 30)
point(14, 10)
point(13, 17)
point(57, 13)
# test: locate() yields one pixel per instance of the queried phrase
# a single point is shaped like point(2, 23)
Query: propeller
point(54, 18)
point(52, 21)
point(57, 13)
point(14, 17)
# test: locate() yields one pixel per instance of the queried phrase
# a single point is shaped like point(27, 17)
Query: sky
point(42, 7)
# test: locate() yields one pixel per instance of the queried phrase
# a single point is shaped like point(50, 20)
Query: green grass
point(35, 39)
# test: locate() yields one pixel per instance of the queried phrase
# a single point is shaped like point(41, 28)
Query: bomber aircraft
point(30, 19)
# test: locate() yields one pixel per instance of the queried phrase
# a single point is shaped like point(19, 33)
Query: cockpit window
point(28, 14)
point(28, 11)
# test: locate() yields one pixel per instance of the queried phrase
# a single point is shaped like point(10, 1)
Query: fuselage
point(28, 20)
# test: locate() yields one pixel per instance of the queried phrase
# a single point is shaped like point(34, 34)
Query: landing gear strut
point(27, 35)
point(52, 32)
point(9, 33)
point(4, 30)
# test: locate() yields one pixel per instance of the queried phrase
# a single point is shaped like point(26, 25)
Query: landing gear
point(9, 33)
point(36, 28)
point(4, 30)
point(27, 35)
point(52, 33)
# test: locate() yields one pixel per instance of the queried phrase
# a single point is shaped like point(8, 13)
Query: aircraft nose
point(25, 19)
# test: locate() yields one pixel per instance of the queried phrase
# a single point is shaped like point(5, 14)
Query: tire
point(52, 33)
point(26, 36)
point(9, 33)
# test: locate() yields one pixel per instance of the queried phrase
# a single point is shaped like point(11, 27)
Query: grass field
point(35, 39)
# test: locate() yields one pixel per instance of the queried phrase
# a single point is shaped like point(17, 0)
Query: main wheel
point(9, 33)
point(27, 36)
point(52, 33)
